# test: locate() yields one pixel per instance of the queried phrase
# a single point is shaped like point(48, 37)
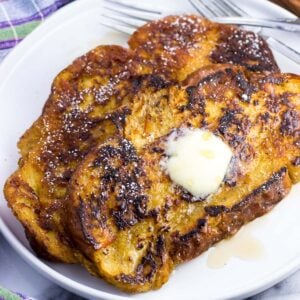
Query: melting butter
point(243, 245)
point(197, 160)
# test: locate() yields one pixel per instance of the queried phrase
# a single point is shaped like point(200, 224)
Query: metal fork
point(128, 15)
point(229, 8)
point(145, 11)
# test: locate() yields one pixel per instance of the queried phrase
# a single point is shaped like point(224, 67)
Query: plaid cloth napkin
point(19, 17)
point(7, 295)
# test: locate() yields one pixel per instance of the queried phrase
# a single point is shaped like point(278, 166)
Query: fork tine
point(140, 6)
point(230, 11)
point(119, 28)
point(233, 9)
point(208, 8)
point(214, 8)
point(223, 11)
point(200, 9)
point(240, 11)
point(282, 48)
point(126, 20)
point(146, 16)
point(196, 8)
point(236, 10)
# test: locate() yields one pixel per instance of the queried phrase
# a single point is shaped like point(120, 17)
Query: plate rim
point(7, 67)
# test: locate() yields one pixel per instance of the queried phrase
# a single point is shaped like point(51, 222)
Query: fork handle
point(292, 25)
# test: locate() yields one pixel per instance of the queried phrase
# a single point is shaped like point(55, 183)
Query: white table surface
point(17, 275)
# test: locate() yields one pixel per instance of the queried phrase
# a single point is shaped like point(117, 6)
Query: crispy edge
point(229, 221)
point(24, 203)
point(209, 230)
point(21, 198)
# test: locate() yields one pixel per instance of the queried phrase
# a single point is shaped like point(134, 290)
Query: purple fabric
point(16, 14)
point(36, 16)
point(9, 43)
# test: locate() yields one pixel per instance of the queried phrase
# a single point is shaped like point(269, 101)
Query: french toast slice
point(83, 110)
point(176, 46)
point(73, 120)
point(128, 217)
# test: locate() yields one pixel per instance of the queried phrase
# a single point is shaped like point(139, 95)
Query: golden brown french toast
point(73, 120)
point(126, 215)
point(84, 108)
point(179, 45)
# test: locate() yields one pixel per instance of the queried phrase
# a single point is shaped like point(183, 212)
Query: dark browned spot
point(246, 152)
point(118, 117)
point(88, 222)
point(150, 263)
point(157, 149)
point(261, 189)
point(290, 122)
point(244, 48)
point(196, 102)
point(122, 174)
point(233, 172)
point(195, 231)
point(154, 81)
point(234, 126)
point(264, 117)
point(215, 210)
point(296, 161)
point(245, 86)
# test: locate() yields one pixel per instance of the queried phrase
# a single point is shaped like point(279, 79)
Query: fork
point(130, 15)
point(145, 11)
point(228, 8)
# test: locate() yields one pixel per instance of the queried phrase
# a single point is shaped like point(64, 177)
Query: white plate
point(25, 79)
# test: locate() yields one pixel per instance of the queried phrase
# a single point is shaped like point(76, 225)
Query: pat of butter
point(197, 160)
